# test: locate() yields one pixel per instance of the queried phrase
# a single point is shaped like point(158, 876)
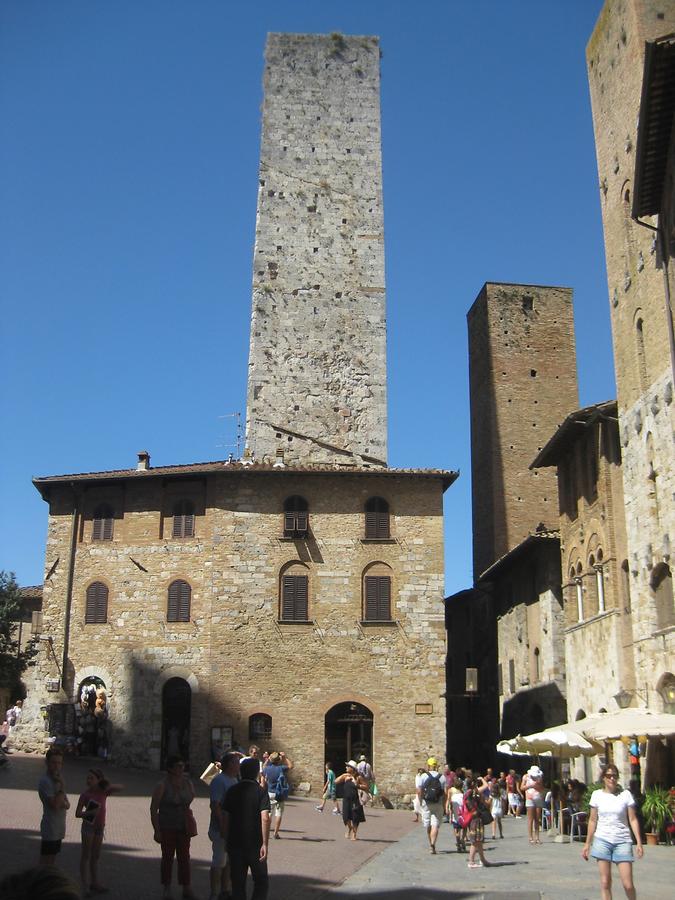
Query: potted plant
point(656, 811)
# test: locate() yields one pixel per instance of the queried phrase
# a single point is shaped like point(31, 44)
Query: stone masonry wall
point(615, 56)
point(235, 654)
point(317, 365)
point(523, 384)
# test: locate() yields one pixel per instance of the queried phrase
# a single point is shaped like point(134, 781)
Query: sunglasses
point(611, 775)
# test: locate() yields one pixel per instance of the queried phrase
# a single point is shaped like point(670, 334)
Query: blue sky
point(128, 175)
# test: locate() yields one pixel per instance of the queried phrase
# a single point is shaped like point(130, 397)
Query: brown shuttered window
point(378, 598)
point(296, 517)
point(377, 519)
point(178, 608)
point(96, 612)
point(294, 597)
point(183, 519)
point(102, 529)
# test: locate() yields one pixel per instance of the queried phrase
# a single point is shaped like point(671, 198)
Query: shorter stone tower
point(317, 364)
point(523, 383)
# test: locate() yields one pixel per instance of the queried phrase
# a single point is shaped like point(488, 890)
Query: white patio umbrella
point(564, 743)
point(625, 724)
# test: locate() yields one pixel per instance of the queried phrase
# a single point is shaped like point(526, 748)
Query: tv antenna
point(237, 443)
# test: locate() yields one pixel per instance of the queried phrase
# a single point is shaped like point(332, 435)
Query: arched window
point(296, 517)
point(640, 348)
point(96, 610)
point(580, 593)
point(625, 584)
point(377, 593)
point(259, 727)
point(178, 606)
point(661, 584)
point(102, 529)
point(183, 519)
point(537, 665)
point(377, 519)
point(294, 594)
point(600, 580)
point(592, 588)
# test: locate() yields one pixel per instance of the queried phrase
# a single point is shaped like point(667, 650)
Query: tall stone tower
point(641, 320)
point(317, 364)
point(523, 384)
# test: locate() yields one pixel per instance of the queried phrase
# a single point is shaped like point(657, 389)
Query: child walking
point(497, 810)
point(91, 809)
point(329, 792)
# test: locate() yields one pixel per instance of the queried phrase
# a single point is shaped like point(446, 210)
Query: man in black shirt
point(246, 829)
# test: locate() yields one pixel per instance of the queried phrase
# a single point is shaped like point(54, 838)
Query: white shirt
point(432, 773)
point(612, 815)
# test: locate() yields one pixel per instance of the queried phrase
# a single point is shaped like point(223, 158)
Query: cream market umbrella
point(625, 724)
point(564, 743)
point(561, 741)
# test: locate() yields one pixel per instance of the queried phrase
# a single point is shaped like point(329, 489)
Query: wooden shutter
point(301, 522)
point(178, 608)
point(103, 524)
point(377, 519)
point(96, 611)
point(294, 598)
point(183, 520)
point(378, 598)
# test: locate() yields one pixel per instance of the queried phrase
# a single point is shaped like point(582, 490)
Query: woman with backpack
point(274, 774)
point(475, 815)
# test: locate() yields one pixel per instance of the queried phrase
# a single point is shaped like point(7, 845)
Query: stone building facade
point(641, 316)
point(295, 597)
point(598, 623)
point(317, 366)
point(282, 670)
point(527, 603)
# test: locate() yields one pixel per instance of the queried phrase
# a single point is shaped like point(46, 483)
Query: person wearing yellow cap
point(431, 794)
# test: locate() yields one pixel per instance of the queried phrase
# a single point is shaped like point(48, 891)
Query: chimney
point(143, 461)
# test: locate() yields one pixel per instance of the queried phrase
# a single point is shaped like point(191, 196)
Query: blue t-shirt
point(217, 790)
point(272, 773)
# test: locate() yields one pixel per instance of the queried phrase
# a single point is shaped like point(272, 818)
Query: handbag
point(485, 814)
point(190, 823)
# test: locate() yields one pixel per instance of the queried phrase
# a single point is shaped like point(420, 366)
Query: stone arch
point(661, 583)
point(93, 672)
point(175, 672)
point(665, 689)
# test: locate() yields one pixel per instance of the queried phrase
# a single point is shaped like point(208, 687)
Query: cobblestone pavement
point(390, 860)
point(311, 857)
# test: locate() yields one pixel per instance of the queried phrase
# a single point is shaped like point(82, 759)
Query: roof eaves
point(576, 423)
point(535, 537)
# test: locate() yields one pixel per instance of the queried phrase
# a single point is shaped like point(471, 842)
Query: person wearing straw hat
point(532, 786)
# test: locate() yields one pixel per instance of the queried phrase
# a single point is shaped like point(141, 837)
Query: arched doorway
point(93, 724)
point(176, 707)
point(348, 733)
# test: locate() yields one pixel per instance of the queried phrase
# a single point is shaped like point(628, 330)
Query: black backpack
point(433, 789)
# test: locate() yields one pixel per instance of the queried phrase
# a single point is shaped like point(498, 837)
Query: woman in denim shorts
point(609, 835)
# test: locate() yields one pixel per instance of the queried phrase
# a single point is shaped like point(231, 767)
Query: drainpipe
point(69, 584)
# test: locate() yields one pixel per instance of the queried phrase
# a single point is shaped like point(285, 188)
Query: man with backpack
point(431, 795)
point(275, 774)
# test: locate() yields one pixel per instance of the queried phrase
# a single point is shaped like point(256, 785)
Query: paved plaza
point(313, 860)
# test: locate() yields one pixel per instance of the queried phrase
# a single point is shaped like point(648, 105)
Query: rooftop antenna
point(237, 417)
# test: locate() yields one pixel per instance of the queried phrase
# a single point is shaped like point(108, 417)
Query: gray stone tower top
point(317, 363)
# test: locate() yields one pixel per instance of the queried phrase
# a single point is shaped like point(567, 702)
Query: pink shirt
point(98, 796)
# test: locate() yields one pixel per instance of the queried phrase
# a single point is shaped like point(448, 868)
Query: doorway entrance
point(348, 734)
point(176, 707)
